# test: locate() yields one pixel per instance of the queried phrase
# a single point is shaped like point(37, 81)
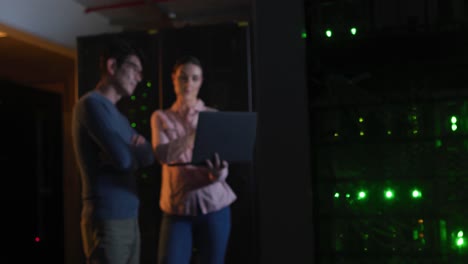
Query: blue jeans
point(209, 234)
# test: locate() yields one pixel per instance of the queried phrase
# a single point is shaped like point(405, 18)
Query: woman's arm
point(166, 150)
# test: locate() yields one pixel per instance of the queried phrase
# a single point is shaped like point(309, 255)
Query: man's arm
point(142, 149)
point(98, 121)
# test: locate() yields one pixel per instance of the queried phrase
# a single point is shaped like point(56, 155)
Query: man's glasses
point(134, 67)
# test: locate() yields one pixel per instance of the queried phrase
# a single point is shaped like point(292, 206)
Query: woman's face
point(187, 80)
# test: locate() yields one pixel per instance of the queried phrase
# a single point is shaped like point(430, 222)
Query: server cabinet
point(389, 145)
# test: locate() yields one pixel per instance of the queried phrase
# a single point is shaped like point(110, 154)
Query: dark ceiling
point(157, 14)
point(27, 62)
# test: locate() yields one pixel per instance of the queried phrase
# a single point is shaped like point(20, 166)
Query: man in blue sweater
point(109, 152)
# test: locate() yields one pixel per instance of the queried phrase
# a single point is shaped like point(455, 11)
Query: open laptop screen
point(230, 134)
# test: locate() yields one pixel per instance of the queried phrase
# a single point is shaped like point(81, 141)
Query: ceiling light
point(3, 34)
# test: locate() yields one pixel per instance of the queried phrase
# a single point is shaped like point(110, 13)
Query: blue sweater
point(106, 158)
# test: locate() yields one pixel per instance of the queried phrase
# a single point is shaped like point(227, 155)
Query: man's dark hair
point(119, 49)
point(185, 60)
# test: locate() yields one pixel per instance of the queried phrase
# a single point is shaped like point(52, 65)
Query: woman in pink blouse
point(195, 200)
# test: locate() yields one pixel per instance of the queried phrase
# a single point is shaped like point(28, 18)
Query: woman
point(195, 200)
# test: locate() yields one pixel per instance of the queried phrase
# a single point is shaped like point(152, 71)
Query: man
point(109, 151)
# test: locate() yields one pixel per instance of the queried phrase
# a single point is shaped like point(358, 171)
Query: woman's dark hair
point(185, 60)
point(119, 49)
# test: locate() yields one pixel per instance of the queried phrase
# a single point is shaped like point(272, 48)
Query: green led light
point(362, 195)
point(337, 195)
point(460, 241)
point(389, 194)
point(416, 194)
point(353, 31)
point(443, 230)
point(133, 97)
point(133, 124)
point(328, 33)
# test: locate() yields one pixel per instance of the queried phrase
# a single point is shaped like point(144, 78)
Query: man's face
point(128, 75)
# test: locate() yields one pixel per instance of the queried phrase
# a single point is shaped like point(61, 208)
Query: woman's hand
point(138, 140)
point(218, 169)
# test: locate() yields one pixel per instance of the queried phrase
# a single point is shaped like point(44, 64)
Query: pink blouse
point(184, 189)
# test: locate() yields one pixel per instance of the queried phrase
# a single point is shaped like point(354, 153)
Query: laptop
point(231, 134)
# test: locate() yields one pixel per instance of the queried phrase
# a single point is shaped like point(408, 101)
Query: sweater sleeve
point(144, 153)
point(98, 121)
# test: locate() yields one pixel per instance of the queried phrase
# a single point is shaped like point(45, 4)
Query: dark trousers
point(111, 242)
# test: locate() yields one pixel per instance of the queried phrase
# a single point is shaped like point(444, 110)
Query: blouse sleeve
point(166, 149)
